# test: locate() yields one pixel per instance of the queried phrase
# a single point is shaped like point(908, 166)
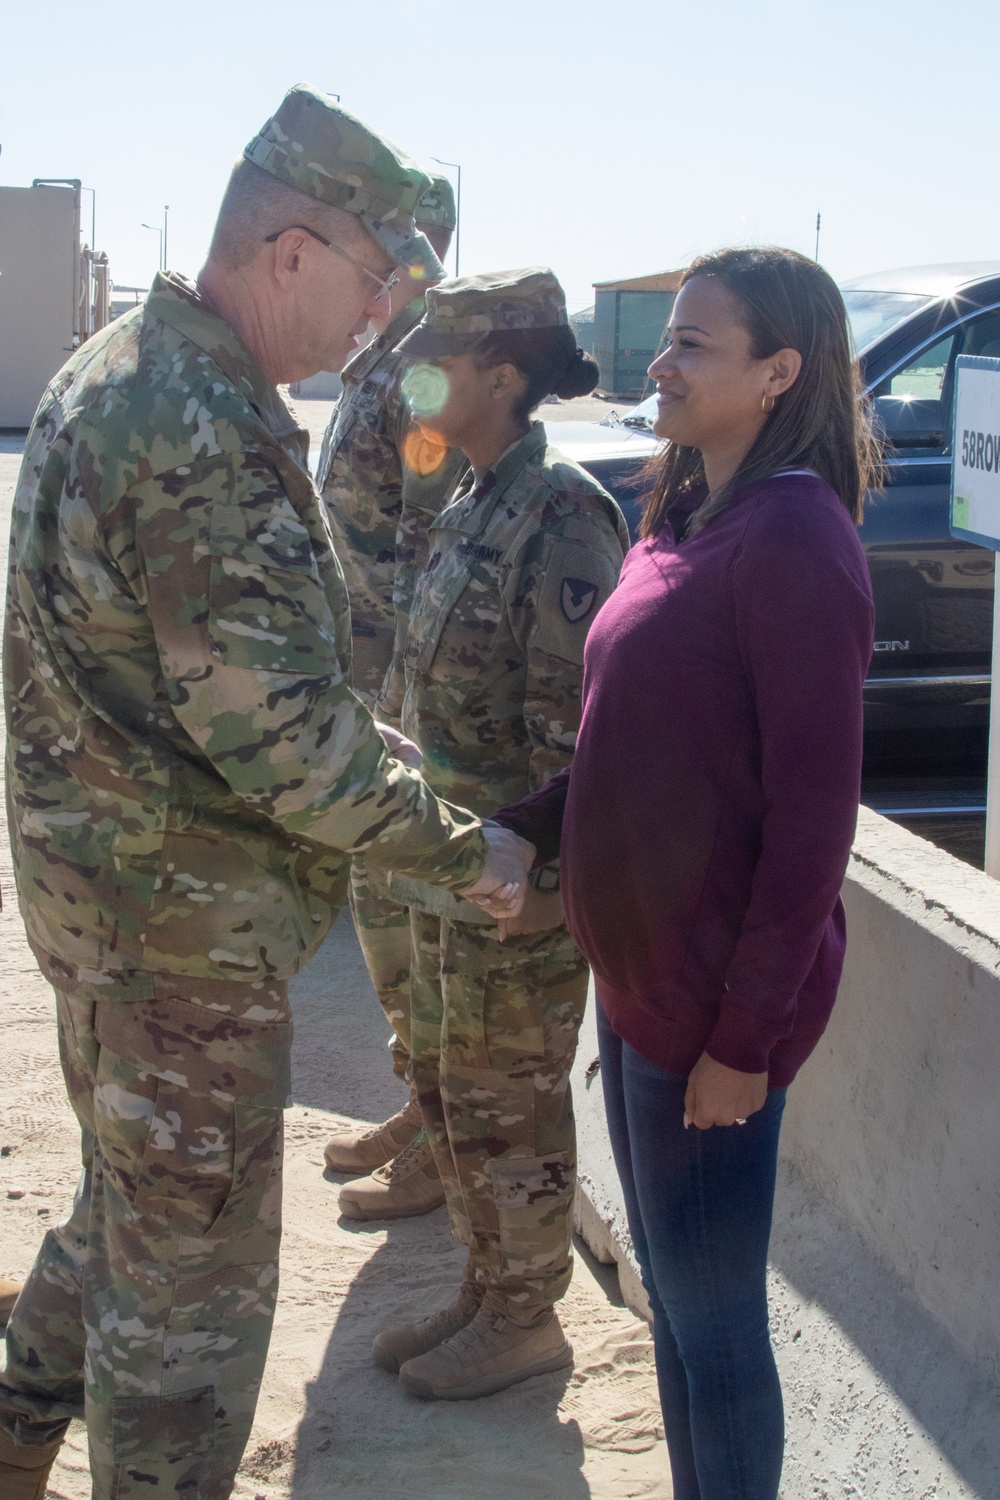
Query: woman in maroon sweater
point(706, 820)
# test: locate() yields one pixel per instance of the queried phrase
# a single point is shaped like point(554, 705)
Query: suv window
point(924, 377)
point(924, 388)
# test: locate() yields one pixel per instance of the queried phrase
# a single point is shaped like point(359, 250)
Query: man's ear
point(287, 252)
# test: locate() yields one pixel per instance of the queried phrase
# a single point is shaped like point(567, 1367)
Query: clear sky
point(606, 140)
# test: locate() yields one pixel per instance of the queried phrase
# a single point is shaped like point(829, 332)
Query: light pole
point(157, 230)
point(458, 208)
point(166, 210)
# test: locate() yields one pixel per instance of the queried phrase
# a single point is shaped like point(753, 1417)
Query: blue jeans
point(699, 1206)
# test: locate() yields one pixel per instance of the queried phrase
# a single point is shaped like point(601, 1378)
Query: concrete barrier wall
point(892, 1135)
point(896, 1116)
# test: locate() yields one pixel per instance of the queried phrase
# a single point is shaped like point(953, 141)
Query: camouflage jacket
point(521, 560)
point(372, 464)
point(187, 769)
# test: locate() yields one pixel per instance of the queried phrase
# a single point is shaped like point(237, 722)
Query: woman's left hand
point(399, 746)
point(541, 911)
point(717, 1095)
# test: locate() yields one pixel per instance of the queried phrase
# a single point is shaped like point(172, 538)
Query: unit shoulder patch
point(577, 598)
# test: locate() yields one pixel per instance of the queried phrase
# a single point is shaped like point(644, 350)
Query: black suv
point(927, 694)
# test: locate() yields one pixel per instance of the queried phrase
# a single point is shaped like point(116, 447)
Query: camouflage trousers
point(149, 1310)
point(383, 928)
point(494, 1030)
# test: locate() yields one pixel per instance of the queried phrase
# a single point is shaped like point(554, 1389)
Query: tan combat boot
point(364, 1148)
point(8, 1296)
point(24, 1472)
point(406, 1186)
point(487, 1355)
point(396, 1345)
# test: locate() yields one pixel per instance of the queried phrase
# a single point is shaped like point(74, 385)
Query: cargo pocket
point(534, 1200)
point(248, 1224)
point(485, 1108)
point(188, 1163)
point(189, 1122)
point(163, 1430)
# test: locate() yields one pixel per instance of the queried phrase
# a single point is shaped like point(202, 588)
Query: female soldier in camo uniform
point(521, 559)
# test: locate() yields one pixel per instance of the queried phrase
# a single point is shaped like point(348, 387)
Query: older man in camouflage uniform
point(383, 481)
point(188, 777)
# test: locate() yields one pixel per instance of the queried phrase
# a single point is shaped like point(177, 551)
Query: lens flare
point(423, 451)
point(425, 390)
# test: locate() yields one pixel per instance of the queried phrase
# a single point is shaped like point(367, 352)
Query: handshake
point(503, 884)
point(500, 889)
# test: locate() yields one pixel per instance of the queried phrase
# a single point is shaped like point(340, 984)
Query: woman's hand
point(399, 746)
point(541, 910)
point(504, 879)
point(717, 1095)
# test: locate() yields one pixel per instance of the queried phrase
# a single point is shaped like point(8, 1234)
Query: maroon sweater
point(708, 815)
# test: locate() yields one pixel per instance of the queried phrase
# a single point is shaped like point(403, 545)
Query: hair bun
point(579, 377)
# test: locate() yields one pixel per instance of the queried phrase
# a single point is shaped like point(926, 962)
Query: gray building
point(629, 319)
point(53, 291)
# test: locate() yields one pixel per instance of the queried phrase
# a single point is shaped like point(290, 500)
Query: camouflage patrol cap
point(312, 144)
point(437, 206)
point(461, 313)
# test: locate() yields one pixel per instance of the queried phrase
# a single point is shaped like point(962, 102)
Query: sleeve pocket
point(577, 582)
point(268, 610)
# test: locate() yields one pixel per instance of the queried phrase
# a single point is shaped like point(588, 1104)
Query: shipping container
point(629, 321)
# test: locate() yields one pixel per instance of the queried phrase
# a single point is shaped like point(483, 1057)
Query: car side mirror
point(910, 421)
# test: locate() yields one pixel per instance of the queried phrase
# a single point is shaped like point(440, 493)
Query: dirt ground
point(328, 1422)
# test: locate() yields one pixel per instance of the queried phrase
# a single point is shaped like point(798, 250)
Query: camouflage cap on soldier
point(461, 313)
point(312, 144)
point(437, 206)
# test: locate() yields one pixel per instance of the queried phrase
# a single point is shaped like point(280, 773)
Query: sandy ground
point(315, 414)
point(328, 1422)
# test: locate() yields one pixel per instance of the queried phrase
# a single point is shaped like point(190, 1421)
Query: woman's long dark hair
point(821, 422)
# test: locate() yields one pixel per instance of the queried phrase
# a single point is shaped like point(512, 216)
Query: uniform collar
point(178, 302)
point(518, 457)
point(360, 365)
point(476, 499)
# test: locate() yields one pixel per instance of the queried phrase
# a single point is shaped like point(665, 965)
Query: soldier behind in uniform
point(188, 776)
point(383, 483)
point(521, 559)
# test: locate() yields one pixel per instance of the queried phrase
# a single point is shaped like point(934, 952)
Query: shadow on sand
point(362, 1437)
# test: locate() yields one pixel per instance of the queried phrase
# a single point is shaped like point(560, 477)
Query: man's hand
point(500, 888)
point(717, 1095)
point(398, 745)
point(541, 911)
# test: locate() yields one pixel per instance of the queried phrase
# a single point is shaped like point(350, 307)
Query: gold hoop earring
point(767, 404)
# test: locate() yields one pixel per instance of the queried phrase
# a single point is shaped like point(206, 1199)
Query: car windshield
point(872, 314)
point(643, 415)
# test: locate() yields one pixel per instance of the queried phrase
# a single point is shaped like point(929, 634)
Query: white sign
point(975, 483)
point(975, 515)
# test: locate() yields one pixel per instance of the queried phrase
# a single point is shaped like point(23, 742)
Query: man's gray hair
point(256, 204)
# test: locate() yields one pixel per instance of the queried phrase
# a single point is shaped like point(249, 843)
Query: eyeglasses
point(385, 287)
